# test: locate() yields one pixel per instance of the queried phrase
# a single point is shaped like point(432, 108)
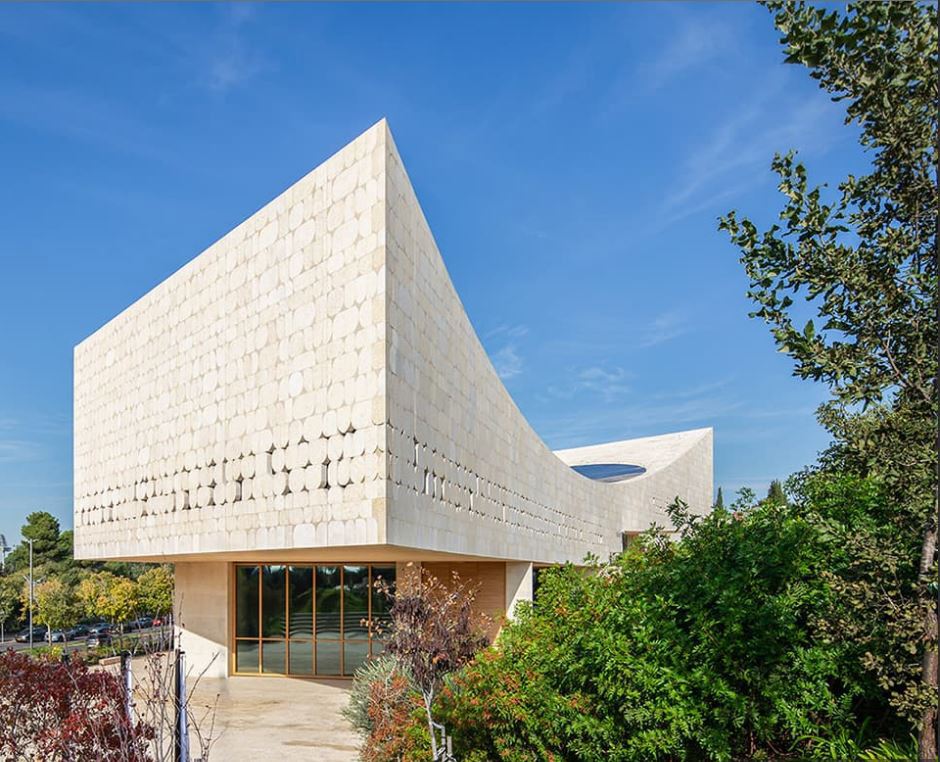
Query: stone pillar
point(518, 585)
point(201, 616)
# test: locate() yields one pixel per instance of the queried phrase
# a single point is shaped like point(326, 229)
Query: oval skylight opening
point(609, 472)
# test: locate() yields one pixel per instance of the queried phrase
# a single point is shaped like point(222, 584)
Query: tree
point(155, 587)
point(120, 601)
point(91, 593)
point(9, 600)
point(867, 258)
point(775, 493)
point(720, 500)
point(701, 648)
point(43, 529)
point(433, 632)
point(55, 605)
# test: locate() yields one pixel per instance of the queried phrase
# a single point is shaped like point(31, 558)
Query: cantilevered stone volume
point(305, 407)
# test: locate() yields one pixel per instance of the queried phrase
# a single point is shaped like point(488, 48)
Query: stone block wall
point(312, 381)
point(467, 473)
point(240, 404)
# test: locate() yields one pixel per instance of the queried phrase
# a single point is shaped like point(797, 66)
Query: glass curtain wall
point(307, 620)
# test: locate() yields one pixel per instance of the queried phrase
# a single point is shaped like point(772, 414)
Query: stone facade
point(310, 388)
point(240, 404)
point(311, 380)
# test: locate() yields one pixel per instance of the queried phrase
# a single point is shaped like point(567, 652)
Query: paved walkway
point(280, 719)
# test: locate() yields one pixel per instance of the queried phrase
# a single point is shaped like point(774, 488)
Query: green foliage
point(54, 603)
point(89, 582)
point(872, 495)
point(699, 649)
point(775, 493)
point(43, 529)
point(91, 593)
point(890, 751)
point(155, 588)
point(381, 669)
point(10, 587)
point(720, 500)
point(866, 258)
point(387, 710)
point(121, 601)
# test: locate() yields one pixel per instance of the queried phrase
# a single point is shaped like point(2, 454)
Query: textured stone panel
point(198, 409)
point(312, 380)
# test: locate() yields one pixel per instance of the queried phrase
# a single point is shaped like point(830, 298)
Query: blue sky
point(571, 159)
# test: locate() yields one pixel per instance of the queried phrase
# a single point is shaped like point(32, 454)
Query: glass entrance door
point(307, 620)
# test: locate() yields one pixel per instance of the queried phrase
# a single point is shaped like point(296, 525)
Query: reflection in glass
point(274, 656)
point(355, 652)
point(246, 601)
point(322, 609)
point(301, 601)
point(328, 602)
point(301, 657)
point(246, 656)
point(381, 603)
point(378, 646)
point(328, 657)
point(355, 602)
point(273, 592)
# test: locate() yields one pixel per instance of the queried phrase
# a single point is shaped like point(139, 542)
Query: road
point(79, 644)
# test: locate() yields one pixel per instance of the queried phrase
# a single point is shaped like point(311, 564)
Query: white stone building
point(305, 407)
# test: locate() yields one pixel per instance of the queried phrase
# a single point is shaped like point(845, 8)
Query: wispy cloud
point(23, 440)
point(691, 47)
point(230, 61)
point(635, 419)
point(662, 328)
point(607, 384)
point(507, 359)
point(507, 330)
point(735, 155)
point(81, 116)
point(507, 362)
point(698, 390)
point(17, 450)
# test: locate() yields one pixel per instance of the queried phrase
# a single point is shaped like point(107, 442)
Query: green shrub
point(890, 751)
point(382, 669)
point(708, 648)
point(385, 708)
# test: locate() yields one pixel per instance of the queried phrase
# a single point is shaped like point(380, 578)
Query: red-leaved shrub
point(398, 731)
point(63, 712)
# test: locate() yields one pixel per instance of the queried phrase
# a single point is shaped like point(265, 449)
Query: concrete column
point(201, 616)
point(518, 585)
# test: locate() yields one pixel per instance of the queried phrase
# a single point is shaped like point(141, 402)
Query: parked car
point(101, 637)
point(141, 623)
point(78, 631)
point(39, 634)
point(59, 636)
point(98, 628)
point(160, 621)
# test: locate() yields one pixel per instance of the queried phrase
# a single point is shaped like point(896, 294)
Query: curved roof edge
point(652, 453)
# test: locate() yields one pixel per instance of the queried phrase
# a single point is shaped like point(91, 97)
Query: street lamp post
point(4, 549)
